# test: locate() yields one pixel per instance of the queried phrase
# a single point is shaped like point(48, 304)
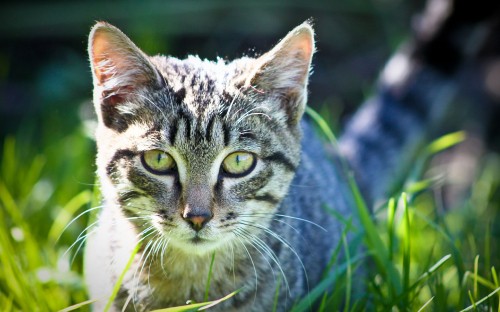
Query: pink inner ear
point(111, 57)
point(99, 56)
point(303, 43)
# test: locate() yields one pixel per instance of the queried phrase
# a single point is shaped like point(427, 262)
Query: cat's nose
point(197, 218)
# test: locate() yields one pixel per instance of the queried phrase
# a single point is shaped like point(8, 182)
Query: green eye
point(158, 162)
point(238, 164)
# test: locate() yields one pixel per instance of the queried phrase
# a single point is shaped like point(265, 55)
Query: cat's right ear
point(119, 70)
point(285, 70)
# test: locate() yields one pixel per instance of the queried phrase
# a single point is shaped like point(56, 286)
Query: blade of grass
point(200, 306)
point(406, 250)
point(494, 276)
point(322, 306)
point(276, 295)
point(477, 279)
point(471, 298)
point(348, 277)
point(78, 306)
point(118, 283)
point(433, 148)
point(476, 268)
point(66, 213)
point(305, 303)
point(487, 242)
point(475, 304)
point(426, 304)
point(207, 286)
point(374, 240)
point(445, 142)
point(431, 270)
point(323, 125)
point(391, 211)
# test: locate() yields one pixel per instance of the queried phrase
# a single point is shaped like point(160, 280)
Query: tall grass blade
point(323, 125)
point(391, 211)
point(66, 214)
point(348, 277)
point(305, 303)
point(207, 286)
point(431, 270)
point(474, 305)
point(445, 142)
point(476, 267)
point(406, 249)
point(78, 306)
point(374, 241)
point(425, 304)
point(118, 283)
point(198, 306)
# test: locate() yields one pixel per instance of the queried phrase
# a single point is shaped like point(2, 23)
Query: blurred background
point(44, 70)
point(46, 115)
point(45, 79)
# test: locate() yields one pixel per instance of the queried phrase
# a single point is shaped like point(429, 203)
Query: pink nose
point(197, 219)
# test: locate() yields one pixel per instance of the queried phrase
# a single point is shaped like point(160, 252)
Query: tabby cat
point(212, 166)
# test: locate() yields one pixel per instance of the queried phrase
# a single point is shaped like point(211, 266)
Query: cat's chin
point(197, 245)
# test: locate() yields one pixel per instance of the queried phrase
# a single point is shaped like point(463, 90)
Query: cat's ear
point(285, 70)
point(119, 70)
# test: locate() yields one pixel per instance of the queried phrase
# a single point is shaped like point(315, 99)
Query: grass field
point(423, 257)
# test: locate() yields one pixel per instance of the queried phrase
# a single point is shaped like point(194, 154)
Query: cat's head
point(199, 152)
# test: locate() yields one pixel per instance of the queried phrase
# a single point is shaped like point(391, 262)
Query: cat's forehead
point(219, 69)
point(203, 85)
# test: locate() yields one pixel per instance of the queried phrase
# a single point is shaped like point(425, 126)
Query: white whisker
point(253, 265)
point(76, 218)
point(284, 242)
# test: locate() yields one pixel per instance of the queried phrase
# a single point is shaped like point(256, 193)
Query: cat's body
point(230, 175)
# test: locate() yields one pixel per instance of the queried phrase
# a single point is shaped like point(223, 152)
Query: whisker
point(83, 239)
point(275, 259)
point(249, 113)
point(238, 94)
point(259, 245)
point(140, 209)
point(232, 261)
point(166, 240)
point(80, 237)
point(146, 252)
point(284, 216)
point(150, 102)
point(76, 218)
point(284, 242)
point(253, 265)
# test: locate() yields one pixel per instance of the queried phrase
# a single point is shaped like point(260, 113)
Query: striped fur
point(269, 227)
point(199, 112)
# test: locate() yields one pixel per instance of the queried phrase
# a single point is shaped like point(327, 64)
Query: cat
point(213, 167)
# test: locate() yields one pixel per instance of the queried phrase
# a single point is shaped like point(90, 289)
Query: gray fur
point(271, 226)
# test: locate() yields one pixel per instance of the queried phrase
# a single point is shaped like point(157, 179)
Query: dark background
point(45, 77)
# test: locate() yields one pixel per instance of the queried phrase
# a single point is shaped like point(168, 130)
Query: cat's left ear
point(285, 70)
point(119, 70)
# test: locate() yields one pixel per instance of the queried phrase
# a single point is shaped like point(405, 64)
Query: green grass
point(417, 256)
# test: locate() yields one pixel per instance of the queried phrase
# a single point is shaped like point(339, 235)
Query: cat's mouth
point(202, 242)
point(197, 240)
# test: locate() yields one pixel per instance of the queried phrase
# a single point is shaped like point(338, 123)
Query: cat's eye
point(238, 164)
point(158, 162)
